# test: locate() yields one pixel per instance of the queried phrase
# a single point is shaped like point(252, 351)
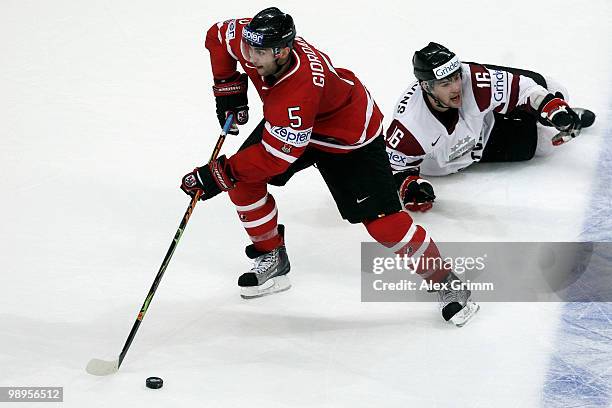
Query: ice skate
point(456, 305)
point(269, 272)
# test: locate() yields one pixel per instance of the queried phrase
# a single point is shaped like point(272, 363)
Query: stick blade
point(102, 367)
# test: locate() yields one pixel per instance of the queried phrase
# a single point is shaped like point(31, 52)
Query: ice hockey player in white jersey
point(458, 113)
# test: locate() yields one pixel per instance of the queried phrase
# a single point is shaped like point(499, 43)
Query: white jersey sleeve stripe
point(332, 69)
point(219, 33)
point(229, 48)
point(368, 116)
point(278, 153)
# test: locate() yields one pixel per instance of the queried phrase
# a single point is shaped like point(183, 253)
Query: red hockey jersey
point(312, 104)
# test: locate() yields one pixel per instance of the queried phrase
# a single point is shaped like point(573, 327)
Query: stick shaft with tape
point(102, 367)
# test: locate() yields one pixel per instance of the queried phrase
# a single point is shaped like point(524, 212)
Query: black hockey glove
point(417, 194)
point(210, 179)
point(556, 112)
point(231, 97)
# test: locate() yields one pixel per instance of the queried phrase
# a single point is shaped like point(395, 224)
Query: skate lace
point(263, 263)
point(452, 295)
point(449, 296)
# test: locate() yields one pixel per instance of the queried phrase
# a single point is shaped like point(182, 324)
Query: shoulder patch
point(401, 139)
point(481, 85)
point(231, 30)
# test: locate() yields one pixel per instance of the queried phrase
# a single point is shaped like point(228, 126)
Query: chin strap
point(438, 103)
point(280, 66)
point(271, 78)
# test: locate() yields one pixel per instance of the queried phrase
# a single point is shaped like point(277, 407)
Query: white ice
point(106, 104)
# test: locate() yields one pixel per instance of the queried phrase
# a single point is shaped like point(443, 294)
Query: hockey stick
point(103, 367)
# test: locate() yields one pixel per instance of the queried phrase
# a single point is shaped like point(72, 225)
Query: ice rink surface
point(106, 104)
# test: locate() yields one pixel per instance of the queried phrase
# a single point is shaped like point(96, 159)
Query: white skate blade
point(465, 315)
point(102, 367)
point(273, 285)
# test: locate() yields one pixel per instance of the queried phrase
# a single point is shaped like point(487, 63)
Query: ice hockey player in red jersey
point(313, 113)
point(458, 113)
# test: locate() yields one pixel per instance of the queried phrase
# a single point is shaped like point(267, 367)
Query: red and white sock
point(259, 217)
point(402, 236)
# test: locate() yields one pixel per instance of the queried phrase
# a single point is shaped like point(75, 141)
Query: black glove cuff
point(231, 102)
point(542, 120)
point(403, 175)
point(221, 180)
point(209, 185)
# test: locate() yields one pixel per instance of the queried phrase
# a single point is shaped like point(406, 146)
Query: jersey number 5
point(296, 120)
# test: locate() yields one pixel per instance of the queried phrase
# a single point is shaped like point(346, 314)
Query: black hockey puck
point(154, 382)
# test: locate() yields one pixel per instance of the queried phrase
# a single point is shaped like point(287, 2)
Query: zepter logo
point(297, 138)
point(252, 37)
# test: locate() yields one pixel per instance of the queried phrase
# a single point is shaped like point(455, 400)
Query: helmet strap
point(437, 101)
point(276, 51)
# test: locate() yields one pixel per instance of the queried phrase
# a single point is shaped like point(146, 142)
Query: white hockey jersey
point(416, 139)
